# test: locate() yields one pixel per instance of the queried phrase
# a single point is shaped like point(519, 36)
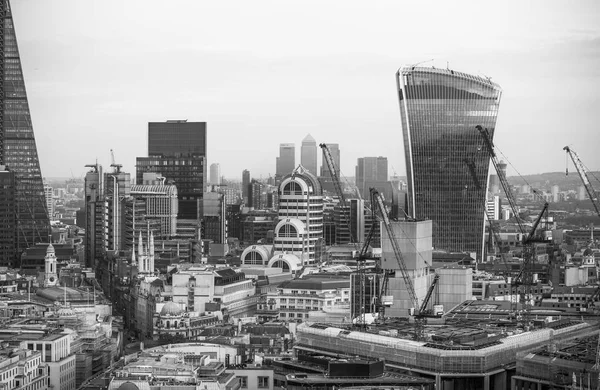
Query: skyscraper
point(245, 184)
point(95, 221)
point(215, 173)
point(446, 163)
point(286, 162)
point(18, 151)
point(177, 150)
point(308, 154)
point(371, 172)
point(300, 228)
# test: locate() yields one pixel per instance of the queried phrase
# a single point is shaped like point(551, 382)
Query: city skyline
point(261, 89)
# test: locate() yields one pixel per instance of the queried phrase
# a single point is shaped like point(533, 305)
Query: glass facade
point(177, 138)
point(187, 174)
point(177, 150)
point(18, 150)
point(446, 162)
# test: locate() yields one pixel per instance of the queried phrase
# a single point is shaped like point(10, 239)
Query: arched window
point(281, 264)
point(253, 257)
point(288, 230)
point(292, 188)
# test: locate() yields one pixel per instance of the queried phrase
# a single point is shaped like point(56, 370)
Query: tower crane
point(584, 178)
point(335, 177)
point(113, 164)
point(345, 210)
point(524, 274)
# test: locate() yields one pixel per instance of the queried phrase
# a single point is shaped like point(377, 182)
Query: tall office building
point(446, 161)
point(371, 172)
point(215, 174)
point(255, 190)
point(286, 162)
point(245, 184)
point(214, 221)
point(308, 154)
point(18, 151)
point(177, 150)
point(117, 186)
point(300, 228)
point(96, 224)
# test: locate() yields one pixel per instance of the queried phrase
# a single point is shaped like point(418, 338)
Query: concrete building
point(168, 369)
point(295, 299)
point(194, 289)
point(286, 162)
point(308, 154)
point(447, 170)
point(56, 353)
point(49, 195)
point(414, 240)
point(22, 369)
point(161, 204)
point(299, 232)
point(494, 208)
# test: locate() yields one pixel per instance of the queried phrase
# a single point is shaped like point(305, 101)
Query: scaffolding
point(418, 355)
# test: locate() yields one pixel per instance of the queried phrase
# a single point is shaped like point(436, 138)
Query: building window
point(263, 382)
point(243, 382)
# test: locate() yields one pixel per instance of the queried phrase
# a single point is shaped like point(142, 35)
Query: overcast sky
point(261, 73)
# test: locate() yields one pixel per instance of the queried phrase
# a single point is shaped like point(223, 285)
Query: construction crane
point(362, 254)
point(113, 164)
point(584, 178)
point(416, 309)
point(501, 175)
point(524, 276)
point(524, 273)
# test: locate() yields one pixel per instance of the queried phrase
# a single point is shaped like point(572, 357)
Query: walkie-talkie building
point(446, 163)
point(18, 152)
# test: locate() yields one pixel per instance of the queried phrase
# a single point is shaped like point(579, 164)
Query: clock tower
point(50, 275)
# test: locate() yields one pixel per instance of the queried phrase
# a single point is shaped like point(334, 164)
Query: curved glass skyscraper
point(446, 163)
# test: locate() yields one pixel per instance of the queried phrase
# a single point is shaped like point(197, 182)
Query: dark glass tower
point(446, 163)
point(18, 151)
point(177, 150)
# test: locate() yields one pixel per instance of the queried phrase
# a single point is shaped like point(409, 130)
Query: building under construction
point(473, 355)
point(560, 365)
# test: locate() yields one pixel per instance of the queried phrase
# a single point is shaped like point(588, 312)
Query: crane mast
point(335, 177)
point(501, 175)
point(584, 178)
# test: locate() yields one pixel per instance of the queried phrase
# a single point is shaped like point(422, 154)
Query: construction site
point(469, 355)
point(509, 343)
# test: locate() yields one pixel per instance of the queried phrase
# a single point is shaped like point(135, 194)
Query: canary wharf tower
point(18, 152)
point(446, 163)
